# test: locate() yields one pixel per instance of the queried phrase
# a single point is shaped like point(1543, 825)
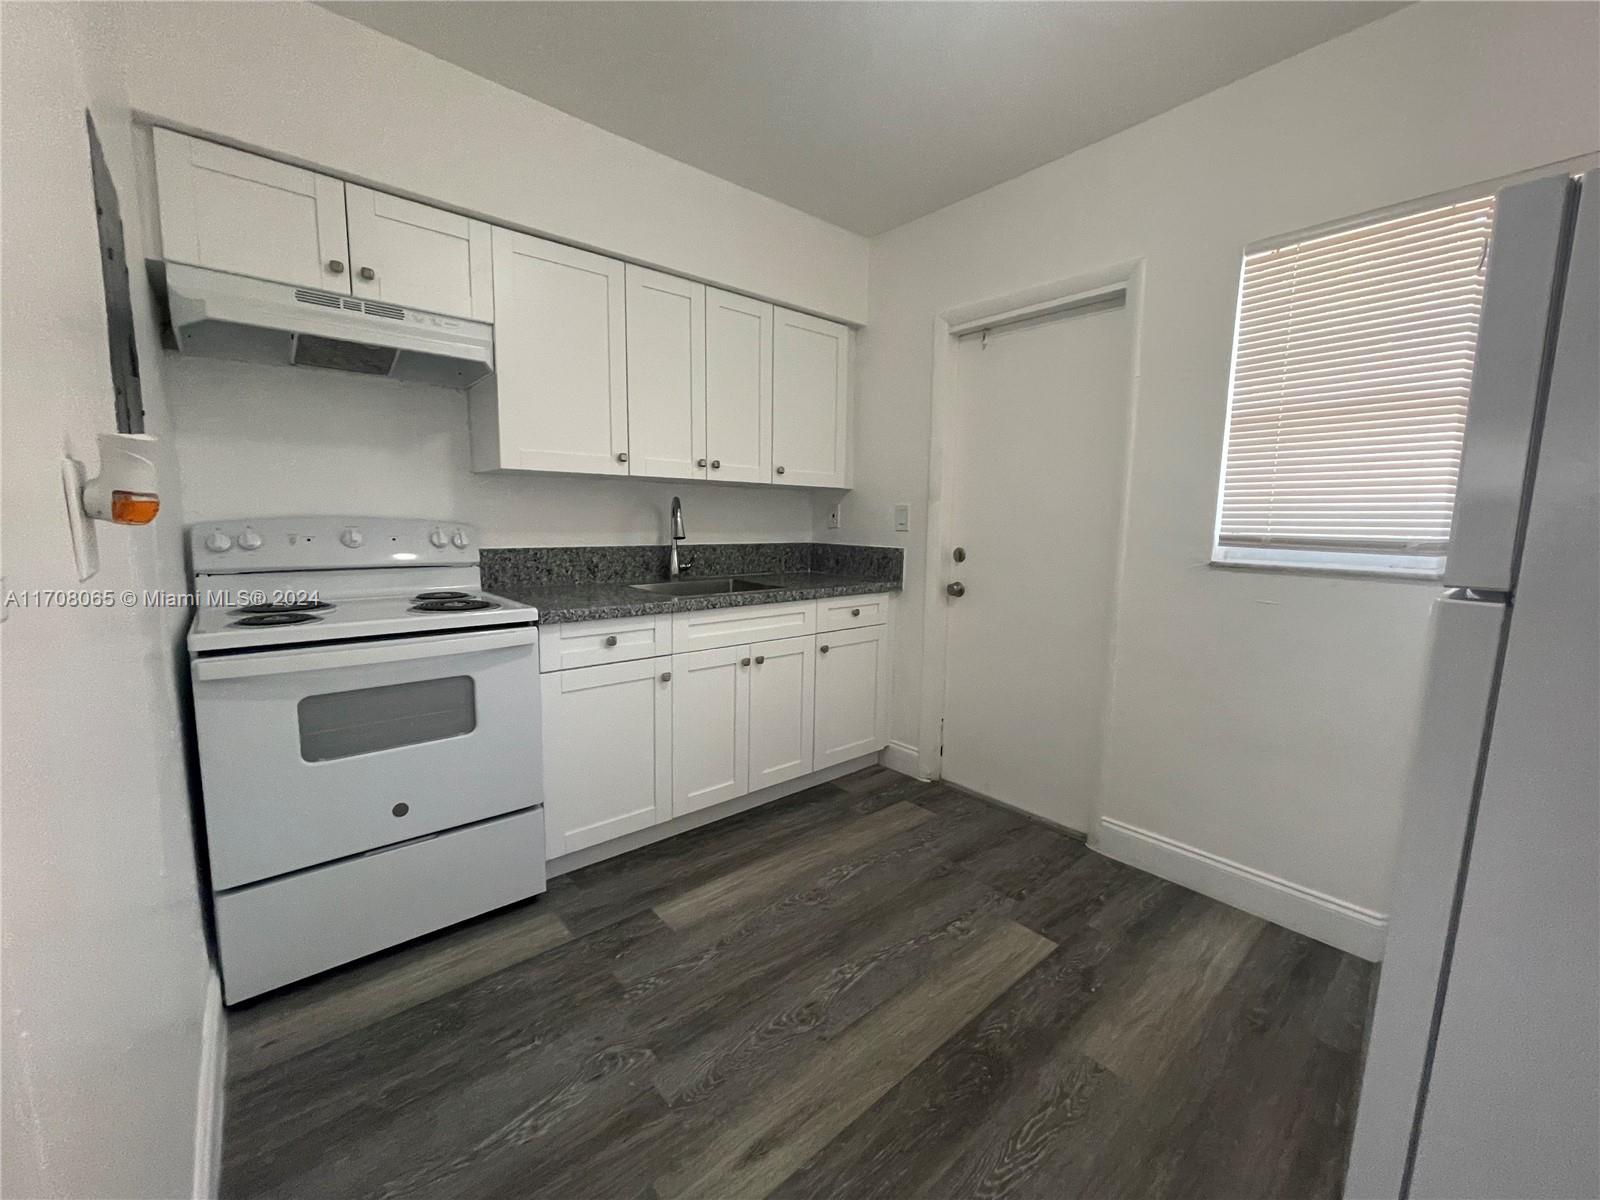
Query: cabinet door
point(810, 401)
point(852, 695)
point(418, 256)
point(782, 699)
point(231, 211)
point(607, 751)
point(666, 375)
point(738, 388)
point(710, 727)
point(558, 400)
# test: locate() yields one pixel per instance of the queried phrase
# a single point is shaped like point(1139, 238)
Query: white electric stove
point(368, 722)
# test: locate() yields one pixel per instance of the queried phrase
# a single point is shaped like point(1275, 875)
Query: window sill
point(1422, 568)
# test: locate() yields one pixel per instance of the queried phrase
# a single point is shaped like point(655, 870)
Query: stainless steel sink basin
point(704, 587)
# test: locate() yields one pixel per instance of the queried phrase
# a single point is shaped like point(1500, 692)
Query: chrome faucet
point(675, 565)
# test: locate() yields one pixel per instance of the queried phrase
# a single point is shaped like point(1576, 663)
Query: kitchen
point(1247, 734)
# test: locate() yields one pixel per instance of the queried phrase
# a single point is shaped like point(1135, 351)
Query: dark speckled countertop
point(591, 583)
point(601, 601)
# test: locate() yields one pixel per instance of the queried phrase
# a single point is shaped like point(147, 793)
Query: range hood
point(230, 316)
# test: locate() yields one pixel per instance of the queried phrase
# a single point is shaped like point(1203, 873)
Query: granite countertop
point(559, 602)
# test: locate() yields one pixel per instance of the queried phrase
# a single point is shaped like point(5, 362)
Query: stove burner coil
point(258, 620)
point(465, 604)
point(441, 596)
point(267, 609)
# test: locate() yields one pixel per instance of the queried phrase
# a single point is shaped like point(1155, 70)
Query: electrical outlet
point(833, 515)
point(902, 518)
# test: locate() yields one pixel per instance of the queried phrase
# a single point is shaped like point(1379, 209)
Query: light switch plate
point(833, 515)
point(902, 518)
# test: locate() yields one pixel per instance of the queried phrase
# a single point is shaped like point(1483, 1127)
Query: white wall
point(288, 441)
point(301, 83)
point(1263, 718)
point(105, 978)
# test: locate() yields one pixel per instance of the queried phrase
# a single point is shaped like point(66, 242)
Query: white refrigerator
point(1482, 1075)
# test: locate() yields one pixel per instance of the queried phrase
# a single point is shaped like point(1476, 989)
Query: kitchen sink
point(704, 587)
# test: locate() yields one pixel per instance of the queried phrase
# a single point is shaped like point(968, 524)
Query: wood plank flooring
point(876, 988)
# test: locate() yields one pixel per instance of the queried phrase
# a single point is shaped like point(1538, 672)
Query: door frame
point(1032, 303)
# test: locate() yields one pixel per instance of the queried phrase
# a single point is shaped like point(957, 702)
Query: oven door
point(319, 752)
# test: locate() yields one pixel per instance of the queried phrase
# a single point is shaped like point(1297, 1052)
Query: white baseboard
point(208, 1107)
point(644, 837)
point(1340, 924)
point(898, 756)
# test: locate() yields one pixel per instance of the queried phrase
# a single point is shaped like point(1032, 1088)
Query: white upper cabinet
point(558, 400)
point(666, 375)
point(231, 211)
point(782, 696)
point(810, 401)
point(738, 420)
point(406, 253)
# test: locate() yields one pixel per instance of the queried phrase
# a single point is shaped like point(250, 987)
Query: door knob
point(957, 589)
point(367, 273)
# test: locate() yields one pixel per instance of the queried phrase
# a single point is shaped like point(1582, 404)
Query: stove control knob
point(438, 539)
point(249, 539)
point(219, 542)
point(352, 537)
point(459, 539)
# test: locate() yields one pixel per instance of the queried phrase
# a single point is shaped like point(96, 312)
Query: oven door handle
point(241, 666)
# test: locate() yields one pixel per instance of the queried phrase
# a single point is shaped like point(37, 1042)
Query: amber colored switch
point(134, 508)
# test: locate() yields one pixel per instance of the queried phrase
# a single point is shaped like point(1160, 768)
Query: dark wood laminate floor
point(877, 988)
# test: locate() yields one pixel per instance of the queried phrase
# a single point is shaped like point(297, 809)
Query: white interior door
point(231, 211)
point(782, 697)
point(411, 254)
point(666, 375)
point(738, 387)
point(1037, 450)
point(710, 727)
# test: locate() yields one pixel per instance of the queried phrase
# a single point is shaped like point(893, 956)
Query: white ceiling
point(865, 114)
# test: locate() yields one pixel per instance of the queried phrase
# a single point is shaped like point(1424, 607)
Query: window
point(1347, 406)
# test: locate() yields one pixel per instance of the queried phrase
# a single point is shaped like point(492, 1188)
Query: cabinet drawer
point(717, 627)
point(851, 612)
point(571, 644)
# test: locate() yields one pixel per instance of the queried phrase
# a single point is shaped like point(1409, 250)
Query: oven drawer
point(569, 644)
point(274, 933)
point(713, 628)
point(851, 612)
point(315, 753)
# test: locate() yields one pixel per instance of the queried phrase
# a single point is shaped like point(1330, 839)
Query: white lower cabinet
point(607, 751)
point(852, 707)
point(783, 685)
point(631, 744)
point(710, 727)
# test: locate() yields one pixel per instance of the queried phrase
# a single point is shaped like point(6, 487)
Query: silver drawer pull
point(611, 639)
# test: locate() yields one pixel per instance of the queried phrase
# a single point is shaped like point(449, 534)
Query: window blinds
point(1351, 371)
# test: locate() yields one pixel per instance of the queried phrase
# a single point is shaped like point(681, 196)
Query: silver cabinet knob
point(744, 662)
point(779, 470)
point(760, 658)
point(623, 457)
point(699, 462)
point(822, 649)
point(335, 267)
point(716, 464)
point(855, 612)
point(957, 589)
point(611, 639)
point(367, 273)
point(666, 677)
